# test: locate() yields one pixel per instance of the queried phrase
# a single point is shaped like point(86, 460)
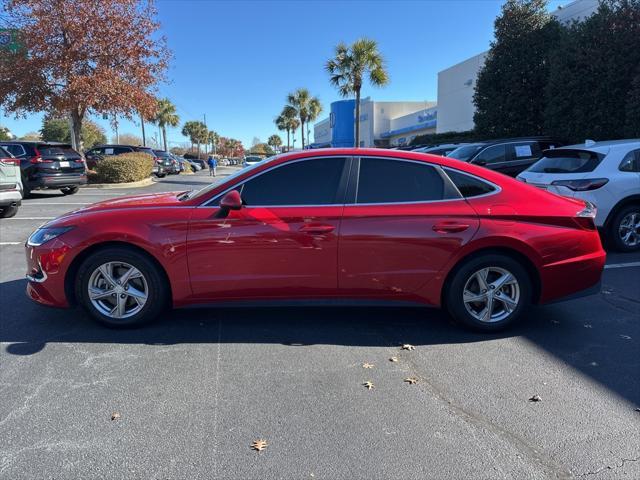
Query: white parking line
point(11, 243)
point(623, 265)
point(52, 203)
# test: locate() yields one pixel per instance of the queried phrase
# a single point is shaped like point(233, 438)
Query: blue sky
point(235, 61)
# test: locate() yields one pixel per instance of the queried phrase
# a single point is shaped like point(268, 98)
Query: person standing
point(213, 166)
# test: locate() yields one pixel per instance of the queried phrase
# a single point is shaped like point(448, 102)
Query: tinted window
point(15, 150)
point(631, 162)
point(391, 181)
point(567, 161)
point(469, 186)
point(57, 150)
point(492, 154)
point(160, 154)
point(309, 182)
point(465, 152)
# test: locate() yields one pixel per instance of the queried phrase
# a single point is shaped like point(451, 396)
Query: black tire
point(158, 293)
point(8, 212)
point(455, 305)
point(26, 191)
point(69, 190)
point(161, 175)
point(614, 235)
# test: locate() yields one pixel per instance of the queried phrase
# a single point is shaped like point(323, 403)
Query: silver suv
point(10, 184)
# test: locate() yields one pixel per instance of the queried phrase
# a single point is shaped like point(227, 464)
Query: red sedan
point(362, 225)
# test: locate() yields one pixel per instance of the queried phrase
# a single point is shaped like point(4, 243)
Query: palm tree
point(274, 141)
point(197, 133)
point(287, 121)
point(213, 139)
point(304, 104)
point(166, 116)
point(348, 68)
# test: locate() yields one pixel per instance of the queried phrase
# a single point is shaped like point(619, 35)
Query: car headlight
point(43, 235)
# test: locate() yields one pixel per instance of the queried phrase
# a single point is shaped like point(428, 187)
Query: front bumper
point(46, 269)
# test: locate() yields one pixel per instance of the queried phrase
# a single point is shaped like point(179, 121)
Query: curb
point(142, 183)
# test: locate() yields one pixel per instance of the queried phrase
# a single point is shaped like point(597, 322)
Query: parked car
point(443, 150)
point(199, 161)
point(188, 163)
point(195, 166)
point(10, 184)
point(251, 160)
point(170, 164)
point(606, 174)
point(48, 165)
point(99, 152)
point(509, 156)
point(354, 224)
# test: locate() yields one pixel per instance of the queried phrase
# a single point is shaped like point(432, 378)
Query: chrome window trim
point(497, 187)
point(206, 204)
point(438, 168)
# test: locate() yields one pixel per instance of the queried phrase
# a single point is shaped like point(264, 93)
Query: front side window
point(464, 152)
point(631, 162)
point(397, 181)
point(308, 182)
point(15, 150)
point(493, 154)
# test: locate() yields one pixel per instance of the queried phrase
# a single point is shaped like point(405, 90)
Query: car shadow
point(604, 354)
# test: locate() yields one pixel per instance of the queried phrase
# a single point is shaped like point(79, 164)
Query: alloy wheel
point(629, 229)
point(491, 294)
point(118, 290)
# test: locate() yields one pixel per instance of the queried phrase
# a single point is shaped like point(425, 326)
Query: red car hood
point(134, 201)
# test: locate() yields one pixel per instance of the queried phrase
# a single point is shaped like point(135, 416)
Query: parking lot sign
point(9, 40)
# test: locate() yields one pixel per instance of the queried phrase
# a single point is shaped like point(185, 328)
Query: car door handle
point(450, 227)
point(317, 229)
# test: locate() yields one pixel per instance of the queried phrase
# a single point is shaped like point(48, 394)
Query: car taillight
point(11, 161)
point(585, 218)
point(581, 185)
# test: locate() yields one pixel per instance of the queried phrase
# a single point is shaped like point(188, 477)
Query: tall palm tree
point(213, 139)
point(303, 103)
point(166, 116)
point(197, 133)
point(288, 121)
point(348, 68)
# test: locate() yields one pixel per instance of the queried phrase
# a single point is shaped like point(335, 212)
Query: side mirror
point(231, 201)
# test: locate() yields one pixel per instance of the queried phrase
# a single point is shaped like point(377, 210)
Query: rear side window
point(15, 150)
point(492, 154)
point(631, 162)
point(468, 185)
point(309, 182)
point(522, 151)
point(397, 181)
point(567, 161)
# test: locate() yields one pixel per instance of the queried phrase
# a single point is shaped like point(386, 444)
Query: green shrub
point(127, 167)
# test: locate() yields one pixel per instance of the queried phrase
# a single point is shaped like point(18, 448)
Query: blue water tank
point(342, 123)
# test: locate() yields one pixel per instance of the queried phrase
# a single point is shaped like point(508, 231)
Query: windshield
point(198, 193)
point(465, 152)
point(161, 154)
point(567, 161)
point(253, 159)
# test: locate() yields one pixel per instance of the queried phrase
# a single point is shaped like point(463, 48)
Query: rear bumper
point(572, 278)
point(10, 198)
point(58, 181)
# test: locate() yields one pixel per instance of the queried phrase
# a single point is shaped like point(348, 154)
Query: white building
point(456, 84)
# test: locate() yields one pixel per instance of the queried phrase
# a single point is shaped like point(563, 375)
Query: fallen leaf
point(407, 346)
point(368, 365)
point(393, 359)
point(535, 398)
point(115, 416)
point(411, 380)
point(626, 337)
point(587, 325)
point(369, 385)
point(259, 445)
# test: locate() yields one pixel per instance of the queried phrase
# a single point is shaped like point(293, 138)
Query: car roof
point(119, 145)
point(34, 142)
point(605, 146)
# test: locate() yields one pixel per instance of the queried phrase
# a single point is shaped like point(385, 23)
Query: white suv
point(606, 174)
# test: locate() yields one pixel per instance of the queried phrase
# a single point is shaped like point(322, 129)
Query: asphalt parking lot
point(194, 390)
